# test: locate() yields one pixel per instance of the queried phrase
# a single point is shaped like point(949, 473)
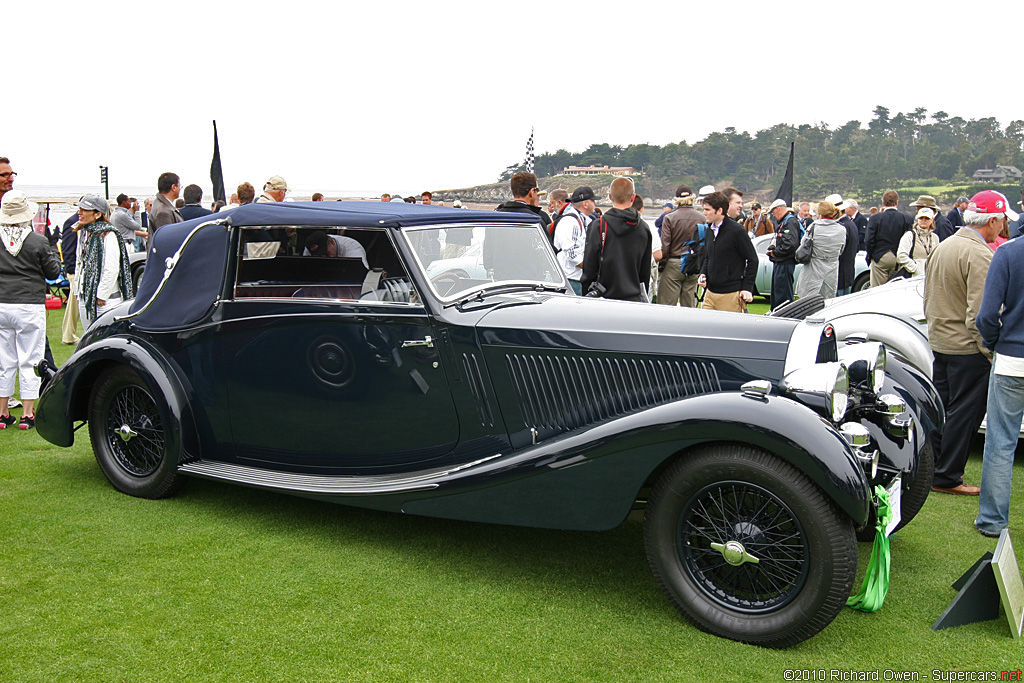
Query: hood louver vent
point(471, 367)
point(563, 393)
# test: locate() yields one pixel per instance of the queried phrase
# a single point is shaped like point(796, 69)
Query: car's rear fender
point(589, 479)
point(65, 400)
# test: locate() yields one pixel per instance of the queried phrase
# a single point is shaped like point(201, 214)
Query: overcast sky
point(402, 97)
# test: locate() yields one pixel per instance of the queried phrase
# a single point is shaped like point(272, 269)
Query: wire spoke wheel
point(757, 524)
point(137, 444)
point(747, 547)
point(135, 432)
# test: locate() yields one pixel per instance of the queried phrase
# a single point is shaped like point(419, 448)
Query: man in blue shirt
point(1000, 321)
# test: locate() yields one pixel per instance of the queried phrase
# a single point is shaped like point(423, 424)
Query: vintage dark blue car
point(432, 362)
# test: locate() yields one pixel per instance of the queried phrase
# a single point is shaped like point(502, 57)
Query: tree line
point(901, 150)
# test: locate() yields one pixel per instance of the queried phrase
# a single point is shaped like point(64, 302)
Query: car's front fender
point(590, 478)
point(65, 399)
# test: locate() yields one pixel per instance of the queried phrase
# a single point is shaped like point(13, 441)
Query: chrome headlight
point(830, 381)
point(866, 362)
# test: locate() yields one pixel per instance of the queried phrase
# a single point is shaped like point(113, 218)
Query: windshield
point(460, 259)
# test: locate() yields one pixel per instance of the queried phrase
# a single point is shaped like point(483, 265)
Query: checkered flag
point(529, 152)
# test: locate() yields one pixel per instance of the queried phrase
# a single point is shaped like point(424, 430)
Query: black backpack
point(690, 263)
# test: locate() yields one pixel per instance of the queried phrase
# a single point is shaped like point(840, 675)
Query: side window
point(328, 263)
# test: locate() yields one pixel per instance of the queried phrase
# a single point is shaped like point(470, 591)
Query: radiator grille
point(566, 392)
point(828, 348)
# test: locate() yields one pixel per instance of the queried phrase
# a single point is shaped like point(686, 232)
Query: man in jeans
point(1001, 323)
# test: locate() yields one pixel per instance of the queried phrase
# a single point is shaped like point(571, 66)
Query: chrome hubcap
point(126, 433)
point(734, 553)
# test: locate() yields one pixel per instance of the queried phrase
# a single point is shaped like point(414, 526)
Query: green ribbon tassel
point(876, 579)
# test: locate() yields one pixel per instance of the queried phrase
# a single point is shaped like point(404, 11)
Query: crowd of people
point(698, 253)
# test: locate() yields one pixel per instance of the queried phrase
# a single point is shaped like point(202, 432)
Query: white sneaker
point(13, 403)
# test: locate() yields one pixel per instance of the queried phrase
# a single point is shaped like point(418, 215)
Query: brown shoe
point(961, 490)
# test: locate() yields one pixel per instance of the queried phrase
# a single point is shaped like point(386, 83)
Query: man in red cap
point(1001, 324)
point(954, 285)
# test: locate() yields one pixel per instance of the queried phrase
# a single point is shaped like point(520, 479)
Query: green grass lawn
point(224, 583)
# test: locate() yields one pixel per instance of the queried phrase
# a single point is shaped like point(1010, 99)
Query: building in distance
point(600, 170)
point(1000, 174)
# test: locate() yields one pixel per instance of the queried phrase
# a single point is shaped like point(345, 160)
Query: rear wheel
point(137, 277)
point(128, 427)
point(747, 547)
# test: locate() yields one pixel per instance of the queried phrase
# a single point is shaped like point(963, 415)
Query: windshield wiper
point(501, 288)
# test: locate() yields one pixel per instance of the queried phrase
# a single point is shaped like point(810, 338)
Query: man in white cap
point(782, 252)
point(848, 257)
point(679, 235)
point(954, 285)
point(274, 190)
point(852, 209)
point(1001, 324)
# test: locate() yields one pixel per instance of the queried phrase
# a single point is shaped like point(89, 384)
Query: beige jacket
point(954, 283)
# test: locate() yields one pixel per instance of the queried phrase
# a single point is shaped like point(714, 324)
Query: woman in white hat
point(104, 277)
point(917, 244)
point(25, 263)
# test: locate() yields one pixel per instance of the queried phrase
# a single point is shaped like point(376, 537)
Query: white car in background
point(763, 280)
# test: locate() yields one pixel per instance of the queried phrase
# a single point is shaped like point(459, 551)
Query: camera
point(596, 290)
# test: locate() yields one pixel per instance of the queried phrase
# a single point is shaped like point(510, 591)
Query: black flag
point(216, 174)
point(786, 188)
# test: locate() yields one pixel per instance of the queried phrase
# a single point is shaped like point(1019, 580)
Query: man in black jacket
point(782, 251)
point(848, 257)
point(882, 239)
point(956, 214)
point(730, 262)
point(617, 255)
point(852, 209)
point(526, 198)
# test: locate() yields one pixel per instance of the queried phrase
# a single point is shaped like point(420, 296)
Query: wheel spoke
point(766, 527)
point(142, 453)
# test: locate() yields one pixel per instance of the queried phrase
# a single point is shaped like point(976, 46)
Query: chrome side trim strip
point(323, 484)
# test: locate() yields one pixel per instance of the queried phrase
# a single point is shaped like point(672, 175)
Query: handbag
point(806, 248)
point(903, 273)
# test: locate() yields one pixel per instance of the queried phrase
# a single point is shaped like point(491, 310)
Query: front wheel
point(747, 547)
point(129, 429)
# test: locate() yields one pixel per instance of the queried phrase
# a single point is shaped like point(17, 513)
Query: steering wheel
point(445, 282)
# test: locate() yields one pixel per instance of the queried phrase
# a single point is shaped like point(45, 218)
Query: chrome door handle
point(428, 342)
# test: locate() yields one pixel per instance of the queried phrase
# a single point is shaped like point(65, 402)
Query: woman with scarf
point(25, 263)
point(917, 244)
point(103, 279)
point(820, 275)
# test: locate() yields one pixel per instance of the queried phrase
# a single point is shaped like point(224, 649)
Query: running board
point(319, 484)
